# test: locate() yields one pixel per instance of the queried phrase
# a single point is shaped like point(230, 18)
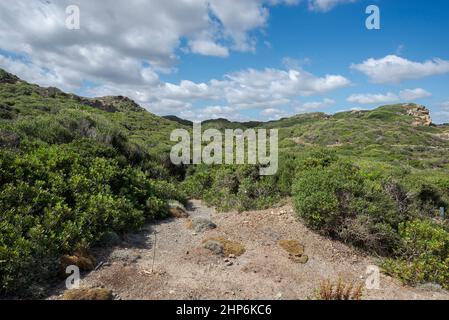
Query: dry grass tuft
point(339, 291)
point(178, 213)
point(293, 247)
point(295, 250)
point(80, 258)
point(229, 247)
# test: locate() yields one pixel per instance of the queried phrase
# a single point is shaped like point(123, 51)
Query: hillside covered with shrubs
point(73, 169)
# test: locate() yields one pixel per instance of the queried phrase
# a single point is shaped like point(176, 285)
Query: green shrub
point(56, 199)
point(425, 254)
point(334, 197)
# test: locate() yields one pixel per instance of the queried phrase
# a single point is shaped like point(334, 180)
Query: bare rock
point(214, 246)
point(200, 224)
point(421, 115)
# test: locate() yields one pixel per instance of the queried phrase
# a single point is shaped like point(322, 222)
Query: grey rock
point(214, 246)
point(200, 224)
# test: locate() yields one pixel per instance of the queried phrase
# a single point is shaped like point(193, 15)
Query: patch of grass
point(293, 247)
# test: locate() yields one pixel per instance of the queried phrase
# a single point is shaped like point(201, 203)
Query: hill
point(75, 170)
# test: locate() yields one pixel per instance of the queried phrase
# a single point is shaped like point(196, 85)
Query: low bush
point(375, 213)
point(55, 200)
point(424, 255)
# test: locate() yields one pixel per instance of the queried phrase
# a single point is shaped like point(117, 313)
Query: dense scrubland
point(73, 170)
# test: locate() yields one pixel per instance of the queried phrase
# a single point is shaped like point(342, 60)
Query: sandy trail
point(185, 270)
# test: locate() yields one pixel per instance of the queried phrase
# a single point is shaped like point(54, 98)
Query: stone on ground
point(214, 246)
point(176, 209)
point(200, 224)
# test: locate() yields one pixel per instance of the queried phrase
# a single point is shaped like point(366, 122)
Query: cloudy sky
point(238, 59)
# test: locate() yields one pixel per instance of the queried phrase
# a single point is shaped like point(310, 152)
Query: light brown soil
point(183, 269)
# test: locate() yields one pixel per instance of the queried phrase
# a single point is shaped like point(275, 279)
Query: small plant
point(339, 291)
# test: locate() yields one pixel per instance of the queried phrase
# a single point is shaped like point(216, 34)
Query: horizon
point(259, 121)
point(198, 60)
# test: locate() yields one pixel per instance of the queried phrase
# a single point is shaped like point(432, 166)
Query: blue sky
point(242, 60)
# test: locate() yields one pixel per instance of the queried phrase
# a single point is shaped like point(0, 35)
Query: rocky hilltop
point(420, 113)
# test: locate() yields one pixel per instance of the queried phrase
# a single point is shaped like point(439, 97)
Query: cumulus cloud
point(208, 48)
point(414, 94)
point(404, 95)
point(326, 5)
point(122, 47)
point(274, 113)
point(245, 89)
point(394, 69)
point(314, 106)
point(442, 115)
point(253, 88)
point(373, 98)
point(213, 112)
point(117, 38)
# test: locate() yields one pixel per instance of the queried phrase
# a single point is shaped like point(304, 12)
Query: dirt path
point(183, 269)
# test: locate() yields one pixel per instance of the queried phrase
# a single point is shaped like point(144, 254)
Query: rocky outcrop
point(6, 77)
point(421, 115)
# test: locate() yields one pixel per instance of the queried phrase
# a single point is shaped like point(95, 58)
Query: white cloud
point(414, 94)
point(117, 39)
point(213, 112)
point(122, 46)
point(208, 48)
point(394, 69)
point(404, 95)
point(274, 113)
point(442, 115)
point(313, 106)
point(245, 89)
point(253, 88)
point(373, 98)
point(326, 5)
